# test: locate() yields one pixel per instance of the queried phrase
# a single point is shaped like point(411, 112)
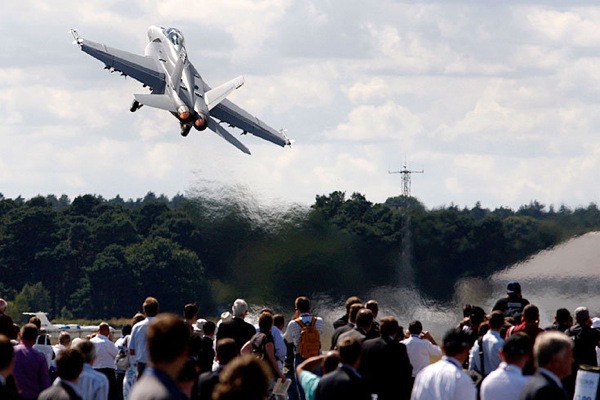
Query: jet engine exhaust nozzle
point(184, 113)
point(200, 124)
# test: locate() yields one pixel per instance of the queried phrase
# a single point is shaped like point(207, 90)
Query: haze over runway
point(499, 102)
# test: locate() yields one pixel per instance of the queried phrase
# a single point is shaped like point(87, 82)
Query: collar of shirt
point(510, 368)
point(166, 381)
point(550, 375)
point(453, 361)
point(350, 369)
point(69, 384)
point(496, 334)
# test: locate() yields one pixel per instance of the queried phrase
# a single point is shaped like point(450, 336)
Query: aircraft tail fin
point(45, 322)
point(162, 101)
point(218, 94)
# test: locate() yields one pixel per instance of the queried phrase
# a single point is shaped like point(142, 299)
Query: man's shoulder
point(91, 374)
point(149, 387)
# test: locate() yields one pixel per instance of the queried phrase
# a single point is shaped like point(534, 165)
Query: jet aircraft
point(75, 330)
point(176, 86)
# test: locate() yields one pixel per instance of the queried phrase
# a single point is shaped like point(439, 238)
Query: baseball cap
point(513, 287)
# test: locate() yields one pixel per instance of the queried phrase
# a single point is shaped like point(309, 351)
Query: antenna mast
point(406, 173)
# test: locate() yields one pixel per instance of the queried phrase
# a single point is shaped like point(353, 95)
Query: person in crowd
point(69, 365)
point(244, 378)
point(305, 346)
point(585, 339)
point(280, 345)
point(344, 319)
point(420, 346)
point(384, 364)
point(351, 324)
point(226, 351)
point(236, 328)
point(364, 321)
point(507, 381)
point(64, 341)
point(7, 361)
point(167, 341)
point(122, 360)
point(466, 321)
point(445, 379)
point(476, 327)
point(190, 316)
point(106, 352)
point(207, 352)
point(513, 304)
point(137, 341)
point(553, 354)
point(530, 326)
point(30, 368)
point(6, 322)
point(344, 382)
point(562, 321)
point(261, 344)
point(308, 379)
point(487, 348)
point(373, 305)
point(131, 371)
point(92, 385)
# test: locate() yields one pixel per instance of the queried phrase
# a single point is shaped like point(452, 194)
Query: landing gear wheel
point(185, 129)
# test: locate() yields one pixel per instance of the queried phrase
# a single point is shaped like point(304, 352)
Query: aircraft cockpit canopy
point(175, 36)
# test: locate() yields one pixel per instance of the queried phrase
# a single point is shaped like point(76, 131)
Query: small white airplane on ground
point(176, 86)
point(74, 330)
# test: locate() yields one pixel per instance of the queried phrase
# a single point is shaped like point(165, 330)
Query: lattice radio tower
point(406, 173)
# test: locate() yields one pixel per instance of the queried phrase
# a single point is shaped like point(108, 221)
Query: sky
point(498, 102)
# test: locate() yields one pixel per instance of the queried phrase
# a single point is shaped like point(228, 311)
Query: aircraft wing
point(141, 68)
point(226, 111)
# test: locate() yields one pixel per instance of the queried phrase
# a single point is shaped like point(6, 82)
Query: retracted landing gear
point(135, 106)
point(185, 129)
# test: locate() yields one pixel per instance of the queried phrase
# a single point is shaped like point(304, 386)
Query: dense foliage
point(97, 258)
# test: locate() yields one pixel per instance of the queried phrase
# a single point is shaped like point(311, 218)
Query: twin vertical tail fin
point(218, 94)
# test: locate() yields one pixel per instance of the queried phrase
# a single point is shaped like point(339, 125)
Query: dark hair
point(373, 306)
point(467, 310)
point(331, 361)
point(265, 322)
point(354, 309)
point(138, 317)
point(126, 330)
point(244, 378)
point(516, 346)
point(29, 332)
point(456, 341)
point(562, 315)
point(168, 337)
point(189, 311)
point(36, 321)
point(364, 318)
point(531, 313)
point(150, 306)
point(6, 352)
point(349, 349)
point(87, 349)
point(477, 315)
point(302, 304)
point(69, 364)
point(209, 328)
point(497, 319)
point(388, 326)
point(351, 300)
point(415, 327)
point(278, 320)
point(226, 350)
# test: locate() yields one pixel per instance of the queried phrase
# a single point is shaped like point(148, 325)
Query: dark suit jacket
point(237, 329)
point(342, 384)
point(386, 368)
point(206, 384)
point(58, 392)
point(8, 393)
point(338, 332)
point(542, 387)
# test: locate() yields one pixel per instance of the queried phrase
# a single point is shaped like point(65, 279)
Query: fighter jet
point(176, 86)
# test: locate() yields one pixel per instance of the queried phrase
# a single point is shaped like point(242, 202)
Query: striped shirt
point(92, 385)
point(292, 334)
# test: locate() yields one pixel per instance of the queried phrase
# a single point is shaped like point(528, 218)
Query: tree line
point(96, 258)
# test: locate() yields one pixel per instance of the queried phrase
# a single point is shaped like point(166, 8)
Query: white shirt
point(106, 351)
point(92, 385)
point(444, 380)
point(293, 329)
point(420, 352)
point(492, 344)
point(137, 340)
point(506, 382)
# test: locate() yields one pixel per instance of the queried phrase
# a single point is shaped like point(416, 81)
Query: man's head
point(168, 337)
point(150, 307)
point(209, 328)
point(349, 349)
point(87, 350)
point(29, 332)
point(6, 356)
point(364, 319)
point(104, 329)
point(64, 338)
point(513, 289)
point(582, 316)
point(3, 305)
point(563, 316)
point(516, 349)
point(246, 377)
point(69, 364)
point(554, 351)
point(531, 314)
point(354, 309)
point(36, 321)
point(351, 300)
point(138, 317)
point(388, 326)
point(373, 306)
point(302, 304)
point(190, 312)
point(456, 344)
point(331, 361)
point(265, 322)
point(496, 320)
point(279, 321)
point(477, 316)
point(226, 350)
point(239, 308)
point(415, 327)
